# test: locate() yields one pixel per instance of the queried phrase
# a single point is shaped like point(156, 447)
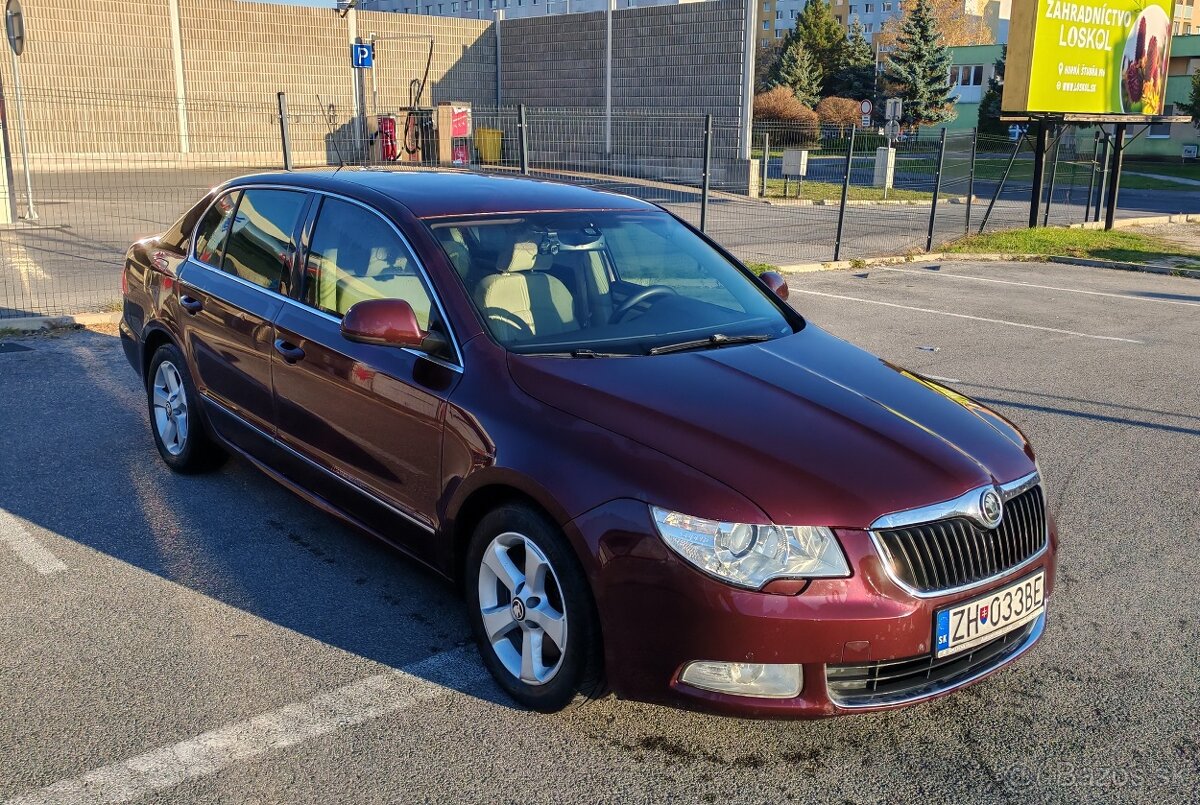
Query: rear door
point(363, 421)
point(230, 292)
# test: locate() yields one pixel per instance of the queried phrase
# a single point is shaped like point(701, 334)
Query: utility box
point(454, 127)
point(795, 163)
point(885, 166)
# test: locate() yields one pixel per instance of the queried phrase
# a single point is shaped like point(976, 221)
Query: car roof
point(447, 193)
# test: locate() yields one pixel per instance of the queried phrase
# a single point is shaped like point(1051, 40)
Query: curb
point(986, 257)
point(1121, 223)
point(30, 324)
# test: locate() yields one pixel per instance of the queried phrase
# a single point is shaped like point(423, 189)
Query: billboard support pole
point(1087, 204)
point(1039, 164)
point(1114, 181)
point(706, 175)
point(1102, 165)
point(1053, 174)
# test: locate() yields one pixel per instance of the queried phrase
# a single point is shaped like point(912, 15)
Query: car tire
point(518, 640)
point(175, 419)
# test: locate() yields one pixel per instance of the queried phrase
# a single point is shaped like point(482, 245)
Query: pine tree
point(822, 36)
point(856, 78)
point(989, 105)
point(919, 69)
point(796, 70)
point(1192, 106)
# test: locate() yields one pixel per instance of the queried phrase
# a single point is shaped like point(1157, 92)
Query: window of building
point(766, 6)
point(454, 8)
point(766, 25)
point(851, 10)
point(778, 14)
point(870, 8)
point(259, 248)
point(977, 76)
point(355, 256)
point(1162, 130)
point(887, 7)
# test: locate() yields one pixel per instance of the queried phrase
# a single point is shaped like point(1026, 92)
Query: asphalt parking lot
point(214, 639)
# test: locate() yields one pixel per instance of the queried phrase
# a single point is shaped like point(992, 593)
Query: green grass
point(832, 191)
point(760, 268)
point(1189, 171)
point(1078, 174)
point(1120, 246)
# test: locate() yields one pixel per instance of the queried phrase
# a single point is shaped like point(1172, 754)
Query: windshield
point(604, 283)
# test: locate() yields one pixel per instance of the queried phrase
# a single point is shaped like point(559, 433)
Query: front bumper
point(658, 613)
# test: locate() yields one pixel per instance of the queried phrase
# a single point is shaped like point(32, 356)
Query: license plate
point(965, 626)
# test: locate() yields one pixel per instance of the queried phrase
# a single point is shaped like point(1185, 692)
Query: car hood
point(813, 430)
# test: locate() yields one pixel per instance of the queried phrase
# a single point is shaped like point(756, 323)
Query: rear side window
point(214, 229)
point(356, 255)
point(259, 247)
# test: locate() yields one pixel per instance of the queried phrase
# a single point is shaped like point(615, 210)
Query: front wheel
point(532, 611)
point(175, 421)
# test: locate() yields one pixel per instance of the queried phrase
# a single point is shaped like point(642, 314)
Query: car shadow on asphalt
point(232, 535)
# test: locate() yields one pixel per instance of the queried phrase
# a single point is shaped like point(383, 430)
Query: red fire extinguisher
point(388, 150)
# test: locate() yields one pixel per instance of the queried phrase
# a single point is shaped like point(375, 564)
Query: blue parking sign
point(362, 55)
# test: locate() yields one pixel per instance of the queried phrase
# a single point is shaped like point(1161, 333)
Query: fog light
point(745, 678)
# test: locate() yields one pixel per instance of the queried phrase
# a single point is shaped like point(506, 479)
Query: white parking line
point(167, 766)
point(16, 536)
point(972, 318)
point(928, 273)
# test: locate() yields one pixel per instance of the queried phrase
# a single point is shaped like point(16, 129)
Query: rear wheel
point(532, 612)
point(179, 433)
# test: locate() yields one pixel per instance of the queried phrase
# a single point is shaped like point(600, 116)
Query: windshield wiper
point(591, 353)
point(714, 340)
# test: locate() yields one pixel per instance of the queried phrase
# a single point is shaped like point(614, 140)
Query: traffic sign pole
point(14, 24)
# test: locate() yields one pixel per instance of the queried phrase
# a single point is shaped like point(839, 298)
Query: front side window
point(605, 282)
point(259, 248)
point(356, 255)
point(214, 229)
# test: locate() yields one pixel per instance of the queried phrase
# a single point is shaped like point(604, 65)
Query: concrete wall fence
point(195, 81)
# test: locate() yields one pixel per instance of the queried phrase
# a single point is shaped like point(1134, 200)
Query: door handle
point(290, 352)
point(191, 305)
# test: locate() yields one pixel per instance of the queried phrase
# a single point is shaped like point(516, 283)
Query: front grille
point(895, 681)
point(956, 552)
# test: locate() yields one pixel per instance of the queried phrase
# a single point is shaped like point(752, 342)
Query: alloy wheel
point(524, 615)
point(170, 408)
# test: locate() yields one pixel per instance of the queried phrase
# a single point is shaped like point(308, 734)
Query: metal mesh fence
point(94, 192)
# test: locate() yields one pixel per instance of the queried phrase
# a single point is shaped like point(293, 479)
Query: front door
point(366, 417)
point(230, 292)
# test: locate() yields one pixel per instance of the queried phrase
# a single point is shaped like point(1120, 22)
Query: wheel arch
point(487, 496)
point(154, 337)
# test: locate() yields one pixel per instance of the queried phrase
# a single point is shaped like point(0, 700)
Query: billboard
point(1088, 56)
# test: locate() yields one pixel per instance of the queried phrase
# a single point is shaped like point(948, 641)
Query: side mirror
point(776, 283)
point(390, 322)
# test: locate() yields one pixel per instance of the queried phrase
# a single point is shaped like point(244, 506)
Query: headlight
point(751, 555)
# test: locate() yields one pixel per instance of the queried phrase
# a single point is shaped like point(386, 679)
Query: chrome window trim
point(433, 294)
point(966, 505)
point(1039, 626)
point(345, 481)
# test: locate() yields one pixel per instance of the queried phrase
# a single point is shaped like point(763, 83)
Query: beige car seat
point(521, 303)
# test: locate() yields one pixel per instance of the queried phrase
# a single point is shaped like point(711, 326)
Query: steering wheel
point(649, 292)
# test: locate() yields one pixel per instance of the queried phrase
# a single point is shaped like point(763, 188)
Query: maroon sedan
point(649, 474)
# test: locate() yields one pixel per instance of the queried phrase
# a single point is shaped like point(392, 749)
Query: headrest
point(524, 256)
point(460, 258)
